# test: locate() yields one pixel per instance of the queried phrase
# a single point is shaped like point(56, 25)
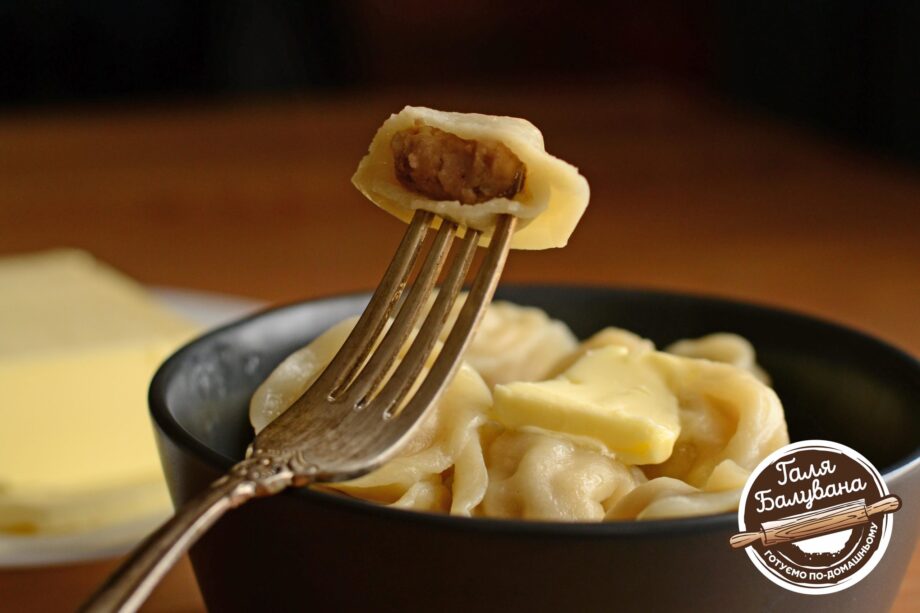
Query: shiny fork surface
point(358, 412)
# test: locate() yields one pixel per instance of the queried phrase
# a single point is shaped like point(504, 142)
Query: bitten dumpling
point(470, 168)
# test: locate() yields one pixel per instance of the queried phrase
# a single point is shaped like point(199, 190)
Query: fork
point(356, 415)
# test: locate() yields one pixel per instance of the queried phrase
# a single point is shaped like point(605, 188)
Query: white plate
point(209, 311)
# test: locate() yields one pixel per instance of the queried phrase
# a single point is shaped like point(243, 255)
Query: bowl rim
point(163, 419)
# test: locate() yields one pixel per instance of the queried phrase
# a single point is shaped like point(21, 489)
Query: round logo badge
point(815, 517)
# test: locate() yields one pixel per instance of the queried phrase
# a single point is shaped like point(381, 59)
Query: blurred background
point(847, 68)
point(744, 148)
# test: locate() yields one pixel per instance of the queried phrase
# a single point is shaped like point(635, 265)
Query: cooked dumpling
point(669, 435)
point(729, 422)
point(296, 374)
point(667, 498)
point(448, 439)
point(534, 475)
point(608, 337)
point(722, 347)
point(516, 343)
point(470, 168)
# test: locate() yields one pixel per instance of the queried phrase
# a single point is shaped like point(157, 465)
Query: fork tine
point(366, 331)
point(350, 443)
point(384, 443)
point(411, 365)
point(385, 354)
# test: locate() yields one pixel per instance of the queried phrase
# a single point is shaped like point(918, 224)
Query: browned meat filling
point(443, 166)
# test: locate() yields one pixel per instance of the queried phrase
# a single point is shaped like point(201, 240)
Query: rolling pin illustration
point(816, 523)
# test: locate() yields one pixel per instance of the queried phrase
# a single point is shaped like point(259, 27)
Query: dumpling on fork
point(470, 168)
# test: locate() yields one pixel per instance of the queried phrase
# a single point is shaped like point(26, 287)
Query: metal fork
point(354, 417)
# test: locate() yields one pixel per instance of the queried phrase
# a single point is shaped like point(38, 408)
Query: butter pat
point(610, 395)
point(79, 343)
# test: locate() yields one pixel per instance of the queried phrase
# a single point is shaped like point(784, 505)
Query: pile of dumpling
point(537, 425)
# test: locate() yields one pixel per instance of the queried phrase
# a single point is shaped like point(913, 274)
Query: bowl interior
point(835, 383)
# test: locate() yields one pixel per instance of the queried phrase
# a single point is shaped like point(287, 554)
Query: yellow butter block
point(79, 343)
point(609, 395)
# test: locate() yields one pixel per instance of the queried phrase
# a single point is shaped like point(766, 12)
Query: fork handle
point(128, 587)
point(261, 474)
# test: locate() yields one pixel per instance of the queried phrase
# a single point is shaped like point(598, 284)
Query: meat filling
point(443, 166)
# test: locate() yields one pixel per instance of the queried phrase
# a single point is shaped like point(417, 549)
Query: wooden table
point(689, 193)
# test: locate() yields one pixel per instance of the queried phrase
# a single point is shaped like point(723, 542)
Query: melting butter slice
point(610, 395)
point(79, 343)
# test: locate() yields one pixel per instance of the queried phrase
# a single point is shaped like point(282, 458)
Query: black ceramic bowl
point(310, 551)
